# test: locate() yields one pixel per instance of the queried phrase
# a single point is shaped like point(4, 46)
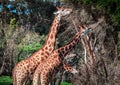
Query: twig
point(93, 26)
point(74, 25)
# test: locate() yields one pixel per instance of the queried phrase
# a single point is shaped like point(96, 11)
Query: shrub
point(5, 80)
point(65, 83)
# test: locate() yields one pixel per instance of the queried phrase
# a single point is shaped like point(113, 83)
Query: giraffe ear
point(80, 28)
point(59, 8)
point(55, 13)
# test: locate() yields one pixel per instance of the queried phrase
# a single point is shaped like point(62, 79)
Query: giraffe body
point(25, 68)
point(46, 70)
point(36, 76)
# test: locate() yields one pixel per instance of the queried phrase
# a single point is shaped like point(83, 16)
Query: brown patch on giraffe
point(46, 48)
point(57, 60)
point(50, 49)
point(51, 36)
point(45, 57)
point(66, 48)
point(31, 68)
point(42, 53)
point(52, 43)
point(58, 51)
point(20, 65)
point(27, 61)
point(70, 69)
point(49, 61)
point(26, 67)
point(34, 61)
point(37, 58)
point(76, 40)
point(48, 42)
point(45, 66)
point(47, 52)
point(55, 25)
point(54, 56)
point(42, 49)
point(42, 59)
point(62, 49)
point(70, 46)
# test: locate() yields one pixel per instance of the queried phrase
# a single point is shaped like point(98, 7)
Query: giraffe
point(46, 70)
point(23, 69)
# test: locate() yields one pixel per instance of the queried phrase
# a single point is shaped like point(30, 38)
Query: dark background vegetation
point(22, 33)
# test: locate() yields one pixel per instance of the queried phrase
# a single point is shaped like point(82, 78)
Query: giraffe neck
point(50, 41)
point(65, 49)
point(69, 68)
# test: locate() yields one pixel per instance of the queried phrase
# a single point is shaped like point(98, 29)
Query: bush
point(29, 49)
point(65, 83)
point(13, 23)
point(5, 80)
point(29, 44)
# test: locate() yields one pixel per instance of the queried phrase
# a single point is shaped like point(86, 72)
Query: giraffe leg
point(44, 79)
point(14, 78)
point(43, 82)
point(36, 78)
point(19, 76)
point(29, 81)
point(21, 80)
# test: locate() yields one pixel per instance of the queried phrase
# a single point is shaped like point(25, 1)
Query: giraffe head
point(62, 11)
point(84, 29)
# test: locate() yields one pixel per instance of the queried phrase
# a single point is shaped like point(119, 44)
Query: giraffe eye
point(62, 10)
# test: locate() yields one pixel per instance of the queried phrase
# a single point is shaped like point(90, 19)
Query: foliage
point(32, 47)
point(29, 49)
point(25, 11)
point(13, 23)
point(110, 7)
point(29, 44)
point(65, 83)
point(5, 80)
